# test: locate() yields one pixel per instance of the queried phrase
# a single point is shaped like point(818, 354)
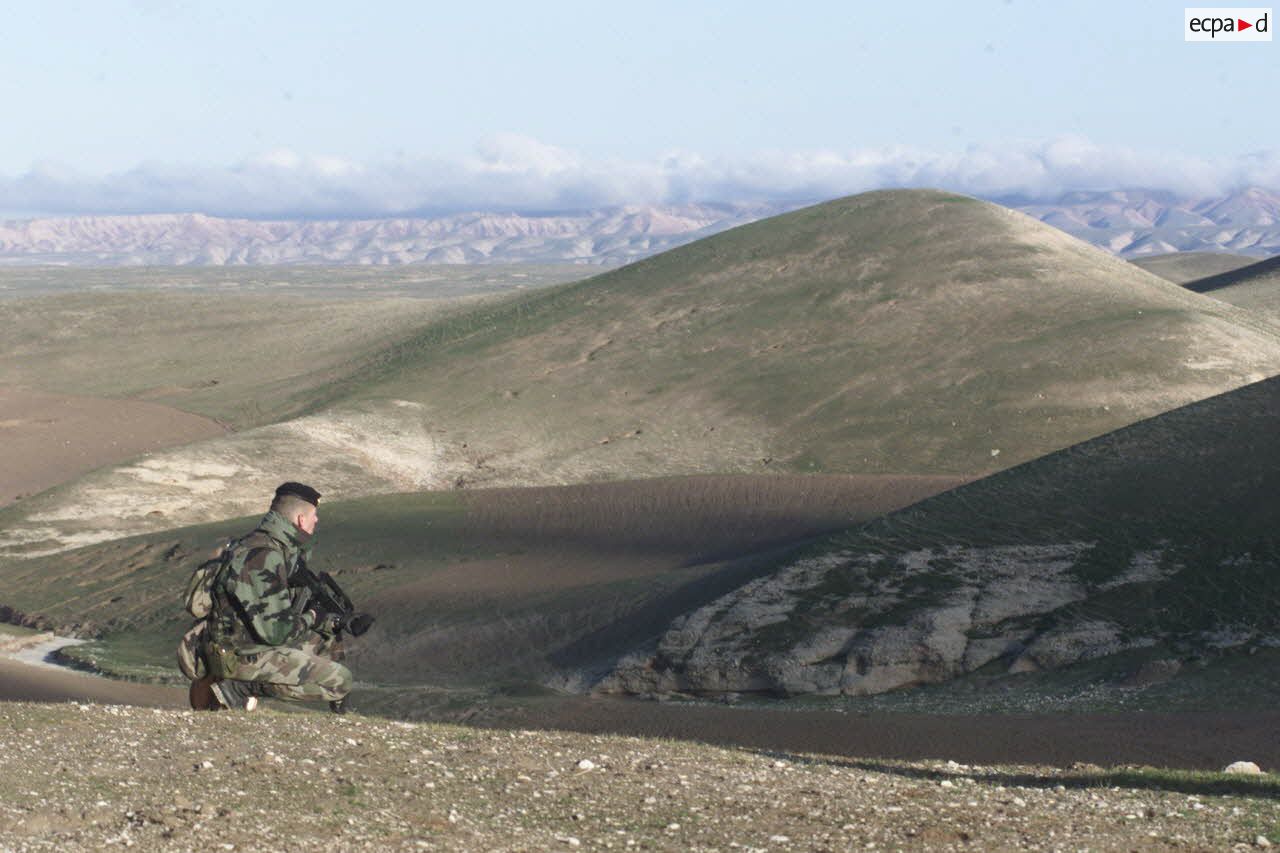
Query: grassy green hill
point(1184, 267)
point(900, 331)
point(1154, 545)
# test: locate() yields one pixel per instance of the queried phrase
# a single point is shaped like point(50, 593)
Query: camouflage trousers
point(301, 673)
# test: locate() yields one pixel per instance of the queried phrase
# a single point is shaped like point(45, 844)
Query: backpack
point(199, 594)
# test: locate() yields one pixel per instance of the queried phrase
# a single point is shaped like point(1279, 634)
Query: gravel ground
point(86, 776)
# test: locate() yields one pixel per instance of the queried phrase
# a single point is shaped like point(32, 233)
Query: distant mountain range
point(1128, 223)
point(1139, 223)
point(607, 237)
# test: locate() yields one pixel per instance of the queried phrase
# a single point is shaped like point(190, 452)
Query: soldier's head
point(298, 504)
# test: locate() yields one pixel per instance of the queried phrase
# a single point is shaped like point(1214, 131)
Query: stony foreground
point(85, 776)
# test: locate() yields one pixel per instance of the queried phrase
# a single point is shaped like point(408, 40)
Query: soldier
point(263, 640)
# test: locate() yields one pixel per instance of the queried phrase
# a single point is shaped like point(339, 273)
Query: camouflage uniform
point(276, 641)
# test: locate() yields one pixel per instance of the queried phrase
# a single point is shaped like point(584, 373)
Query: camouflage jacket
point(252, 602)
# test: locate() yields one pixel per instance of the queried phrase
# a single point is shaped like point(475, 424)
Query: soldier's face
point(308, 520)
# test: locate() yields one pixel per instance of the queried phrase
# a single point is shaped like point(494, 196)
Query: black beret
point(307, 493)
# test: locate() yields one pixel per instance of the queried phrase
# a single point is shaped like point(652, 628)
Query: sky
point(322, 109)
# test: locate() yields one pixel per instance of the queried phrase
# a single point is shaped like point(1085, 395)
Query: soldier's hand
point(327, 624)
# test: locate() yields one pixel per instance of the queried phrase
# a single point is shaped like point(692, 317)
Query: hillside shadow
point(1208, 284)
point(1141, 778)
point(600, 650)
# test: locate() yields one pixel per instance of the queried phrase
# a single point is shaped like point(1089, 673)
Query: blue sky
point(322, 108)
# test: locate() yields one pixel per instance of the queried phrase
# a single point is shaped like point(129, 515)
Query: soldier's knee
point(334, 678)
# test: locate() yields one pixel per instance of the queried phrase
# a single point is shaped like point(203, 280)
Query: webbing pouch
point(221, 660)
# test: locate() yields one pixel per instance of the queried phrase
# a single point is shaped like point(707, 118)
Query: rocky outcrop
point(859, 624)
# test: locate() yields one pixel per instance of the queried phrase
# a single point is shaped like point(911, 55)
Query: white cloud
point(514, 172)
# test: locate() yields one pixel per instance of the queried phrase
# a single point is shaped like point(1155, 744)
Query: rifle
point(328, 599)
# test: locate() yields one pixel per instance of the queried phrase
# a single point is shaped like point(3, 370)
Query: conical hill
point(898, 331)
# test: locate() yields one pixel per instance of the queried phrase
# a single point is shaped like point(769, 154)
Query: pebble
point(744, 782)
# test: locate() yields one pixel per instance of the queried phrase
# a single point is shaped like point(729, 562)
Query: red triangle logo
point(1243, 25)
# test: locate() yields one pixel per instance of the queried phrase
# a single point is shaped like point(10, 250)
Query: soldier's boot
point(237, 695)
point(339, 706)
point(201, 694)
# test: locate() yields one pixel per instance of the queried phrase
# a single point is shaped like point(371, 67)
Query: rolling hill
point(1185, 267)
point(1157, 540)
point(1255, 287)
point(225, 344)
point(898, 332)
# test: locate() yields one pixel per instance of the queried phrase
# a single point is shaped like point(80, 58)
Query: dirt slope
point(47, 439)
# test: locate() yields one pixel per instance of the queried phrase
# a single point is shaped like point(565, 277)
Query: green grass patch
point(1185, 781)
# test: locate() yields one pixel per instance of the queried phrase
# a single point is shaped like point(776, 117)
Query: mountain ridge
point(605, 237)
point(1130, 223)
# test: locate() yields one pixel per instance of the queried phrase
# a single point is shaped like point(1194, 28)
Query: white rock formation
point(859, 624)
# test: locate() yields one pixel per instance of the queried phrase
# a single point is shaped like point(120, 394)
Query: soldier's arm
point(261, 588)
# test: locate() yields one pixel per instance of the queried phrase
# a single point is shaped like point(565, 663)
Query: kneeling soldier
point(263, 639)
